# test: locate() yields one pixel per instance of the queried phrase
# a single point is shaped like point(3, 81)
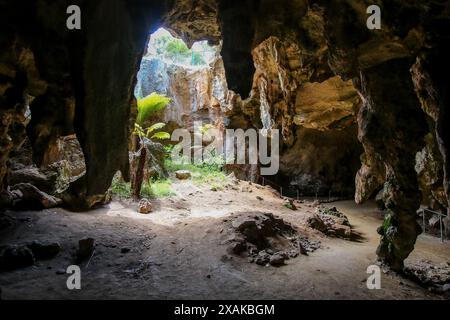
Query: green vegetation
point(165, 46)
point(150, 105)
point(147, 107)
point(387, 223)
point(210, 172)
point(158, 189)
point(121, 189)
point(153, 190)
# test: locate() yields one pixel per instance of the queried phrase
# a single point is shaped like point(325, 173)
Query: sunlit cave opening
point(177, 88)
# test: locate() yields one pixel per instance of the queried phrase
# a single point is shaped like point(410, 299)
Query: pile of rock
point(14, 257)
point(267, 240)
point(332, 223)
point(30, 189)
point(434, 277)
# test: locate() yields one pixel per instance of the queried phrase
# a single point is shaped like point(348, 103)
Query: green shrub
point(121, 189)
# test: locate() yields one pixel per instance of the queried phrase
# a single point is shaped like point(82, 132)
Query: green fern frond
point(155, 127)
point(161, 136)
point(150, 105)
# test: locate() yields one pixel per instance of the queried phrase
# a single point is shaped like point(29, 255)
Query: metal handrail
point(441, 215)
point(264, 180)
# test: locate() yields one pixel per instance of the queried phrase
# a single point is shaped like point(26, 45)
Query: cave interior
point(361, 113)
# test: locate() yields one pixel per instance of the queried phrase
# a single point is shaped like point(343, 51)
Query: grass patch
point(158, 189)
point(201, 174)
point(209, 173)
point(153, 190)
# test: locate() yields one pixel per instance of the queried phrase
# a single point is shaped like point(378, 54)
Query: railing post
point(423, 218)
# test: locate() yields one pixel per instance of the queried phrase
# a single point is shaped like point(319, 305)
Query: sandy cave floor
point(178, 252)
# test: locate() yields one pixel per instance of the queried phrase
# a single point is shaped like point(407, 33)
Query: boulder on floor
point(43, 250)
point(14, 257)
point(27, 196)
point(32, 175)
point(145, 206)
point(183, 174)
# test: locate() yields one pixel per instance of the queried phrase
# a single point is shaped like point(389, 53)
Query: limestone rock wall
point(197, 93)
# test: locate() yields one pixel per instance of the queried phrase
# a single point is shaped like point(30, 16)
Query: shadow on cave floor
point(178, 252)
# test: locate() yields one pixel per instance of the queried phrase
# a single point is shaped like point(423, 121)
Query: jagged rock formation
point(315, 114)
point(82, 82)
point(194, 20)
point(197, 93)
point(391, 123)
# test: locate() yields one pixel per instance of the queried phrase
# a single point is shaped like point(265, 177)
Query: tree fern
point(146, 108)
point(149, 105)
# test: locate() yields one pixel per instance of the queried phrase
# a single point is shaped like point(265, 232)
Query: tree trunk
point(139, 174)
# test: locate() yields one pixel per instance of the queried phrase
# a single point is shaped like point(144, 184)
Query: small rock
point(44, 251)
point(183, 174)
point(6, 221)
point(262, 259)
point(315, 203)
point(316, 223)
point(145, 206)
point(259, 198)
point(278, 259)
point(238, 247)
point(289, 203)
point(342, 231)
point(86, 247)
point(6, 199)
point(60, 271)
point(15, 257)
point(125, 250)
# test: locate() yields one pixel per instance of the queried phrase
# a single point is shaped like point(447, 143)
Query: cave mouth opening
point(177, 87)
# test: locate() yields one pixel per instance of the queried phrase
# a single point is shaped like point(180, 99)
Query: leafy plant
point(121, 189)
point(197, 59)
point(150, 105)
point(147, 107)
point(177, 50)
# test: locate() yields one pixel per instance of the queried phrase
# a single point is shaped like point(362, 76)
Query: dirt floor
point(178, 252)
